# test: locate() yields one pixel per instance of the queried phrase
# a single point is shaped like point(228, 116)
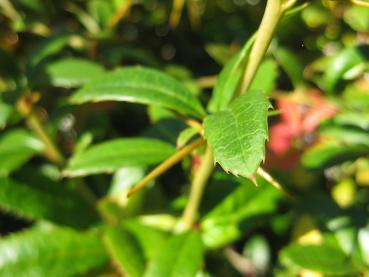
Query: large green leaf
point(125, 251)
point(182, 255)
point(141, 85)
point(237, 135)
point(16, 147)
point(52, 201)
point(229, 79)
point(321, 258)
point(240, 211)
point(49, 251)
point(73, 72)
point(109, 156)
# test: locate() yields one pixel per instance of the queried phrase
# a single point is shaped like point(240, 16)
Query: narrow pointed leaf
point(182, 255)
point(186, 135)
point(266, 76)
point(50, 251)
point(52, 202)
point(125, 251)
point(229, 79)
point(237, 135)
point(109, 156)
point(141, 85)
point(16, 147)
point(73, 72)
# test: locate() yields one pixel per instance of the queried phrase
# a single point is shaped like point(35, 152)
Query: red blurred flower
point(300, 115)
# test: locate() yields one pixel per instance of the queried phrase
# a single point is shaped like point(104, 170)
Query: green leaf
point(125, 251)
point(291, 65)
point(345, 61)
point(148, 237)
point(109, 156)
point(265, 77)
point(73, 72)
point(50, 251)
point(182, 255)
point(327, 154)
point(237, 135)
point(5, 112)
point(16, 147)
point(221, 53)
point(51, 201)
point(357, 17)
point(229, 79)
point(186, 135)
point(242, 209)
point(141, 85)
point(320, 258)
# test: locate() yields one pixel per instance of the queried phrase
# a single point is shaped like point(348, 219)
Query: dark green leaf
point(109, 156)
point(125, 251)
point(237, 135)
point(320, 258)
point(50, 251)
point(52, 201)
point(16, 147)
point(73, 72)
point(182, 255)
point(229, 79)
point(141, 85)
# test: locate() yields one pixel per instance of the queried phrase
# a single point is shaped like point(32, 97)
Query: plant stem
point(176, 13)
point(166, 165)
point(52, 152)
point(272, 15)
point(199, 182)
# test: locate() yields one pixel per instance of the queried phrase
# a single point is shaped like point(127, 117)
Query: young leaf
point(141, 85)
point(291, 65)
point(73, 72)
point(16, 147)
point(186, 135)
point(229, 79)
point(182, 255)
point(125, 251)
point(109, 156)
point(237, 135)
point(50, 251)
point(53, 202)
point(320, 258)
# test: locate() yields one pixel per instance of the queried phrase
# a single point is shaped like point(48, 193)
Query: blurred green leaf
point(229, 79)
point(290, 64)
point(73, 72)
point(16, 147)
point(181, 255)
point(221, 53)
point(50, 251)
point(320, 258)
point(242, 209)
point(125, 251)
point(109, 156)
point(5, 112)
point(186, 135)
point(357, 17)
point(345, 61)
point(266, 77)
point(141, 85)
point(237, 135)
point(331, 153)
point(52, 201)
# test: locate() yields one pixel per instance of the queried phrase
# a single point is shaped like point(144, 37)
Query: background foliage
point(69, 77)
